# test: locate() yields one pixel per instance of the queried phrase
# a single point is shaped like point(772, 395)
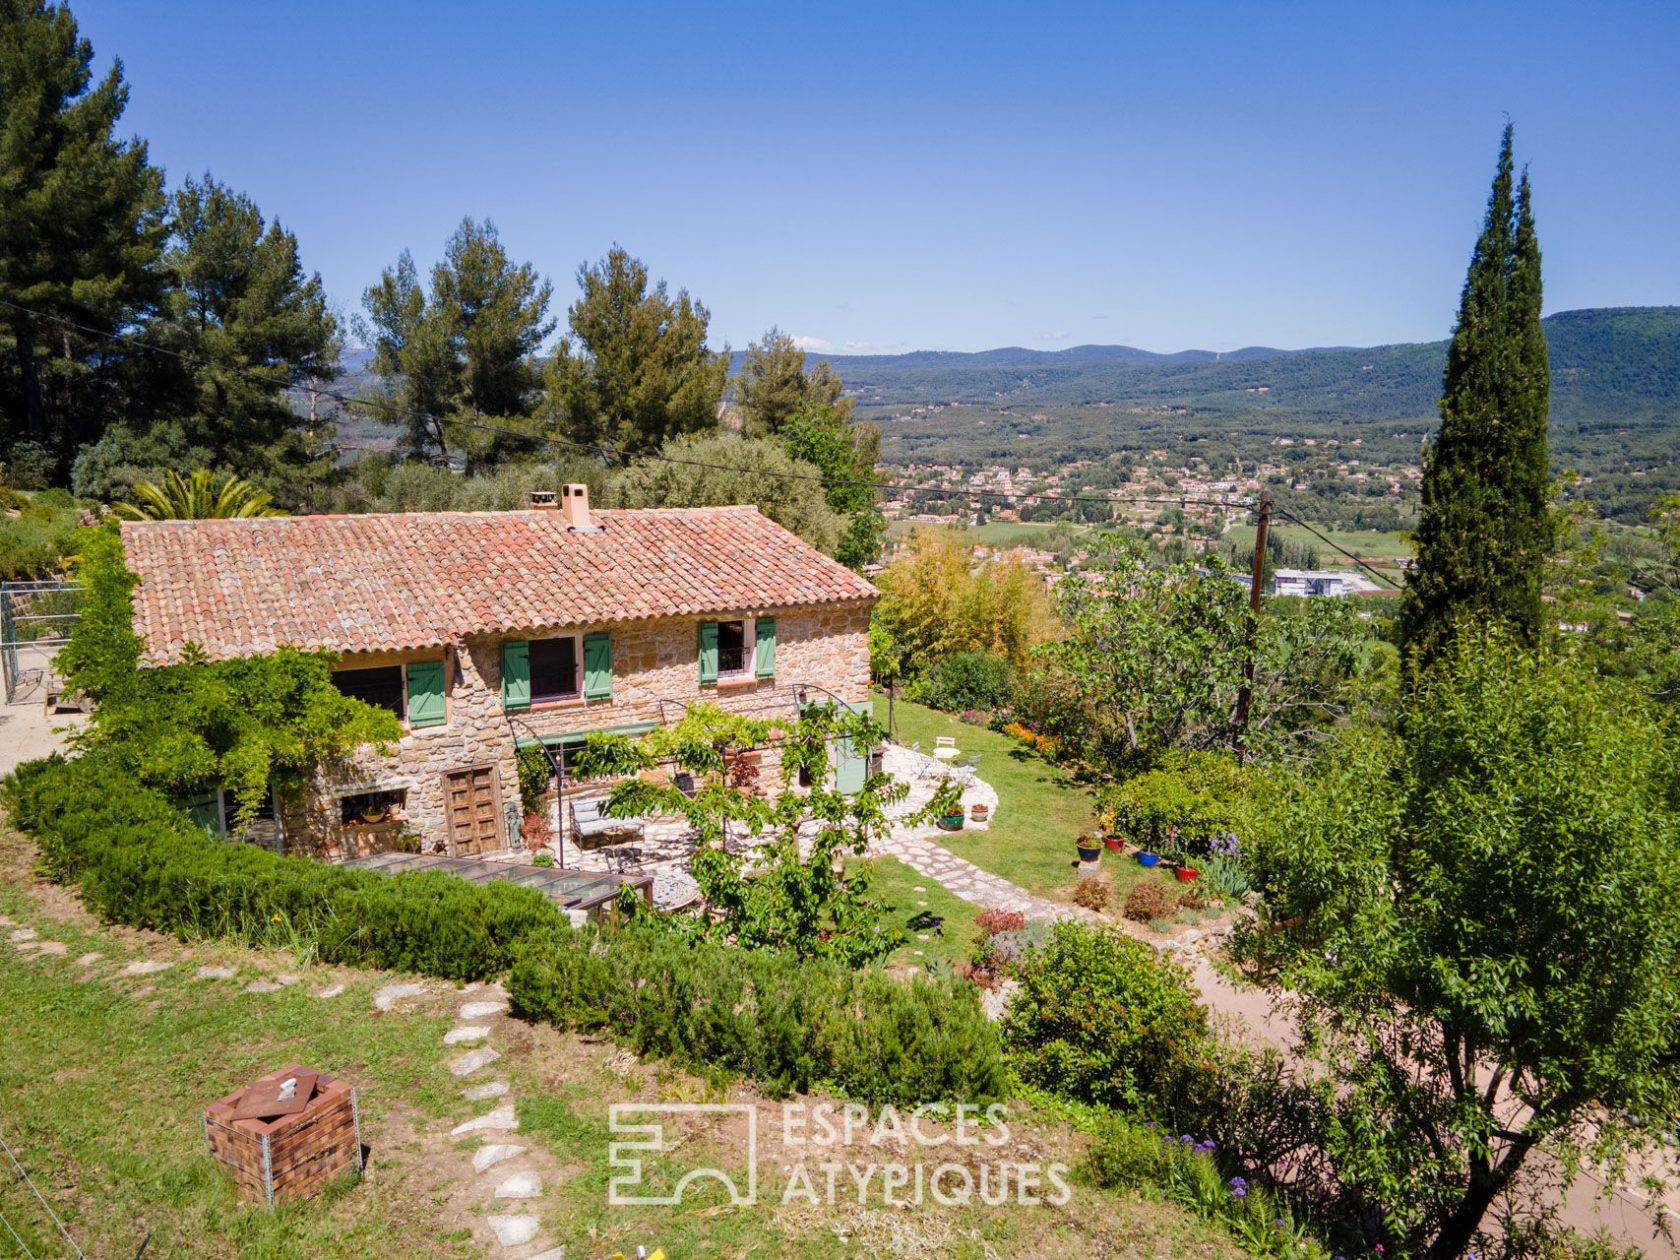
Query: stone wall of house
point(655, 672)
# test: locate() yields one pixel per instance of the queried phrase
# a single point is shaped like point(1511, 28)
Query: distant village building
point(1310, 582)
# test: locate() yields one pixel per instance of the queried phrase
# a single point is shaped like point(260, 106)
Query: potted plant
point(951, 822)
point(979, 813)
point(1090, 849)
point(1187, 873)
point(1146, 858)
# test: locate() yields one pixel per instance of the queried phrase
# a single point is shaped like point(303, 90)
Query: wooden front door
point(473, 799)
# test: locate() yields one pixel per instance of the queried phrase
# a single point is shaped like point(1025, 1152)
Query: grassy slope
point(102, 1082)
point(912, 898)
point(1367, 544)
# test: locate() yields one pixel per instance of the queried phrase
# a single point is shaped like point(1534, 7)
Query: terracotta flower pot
point(979, 813)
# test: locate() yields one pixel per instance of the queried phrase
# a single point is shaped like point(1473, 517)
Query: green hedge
point(140, 861)
point(787, 1024)
point(792, 1026)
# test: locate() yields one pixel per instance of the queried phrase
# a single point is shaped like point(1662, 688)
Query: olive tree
point(1478, 920)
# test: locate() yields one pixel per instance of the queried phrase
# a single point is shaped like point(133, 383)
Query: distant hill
point(1615, 401)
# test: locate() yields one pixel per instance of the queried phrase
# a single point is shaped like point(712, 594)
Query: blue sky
point(883, 178)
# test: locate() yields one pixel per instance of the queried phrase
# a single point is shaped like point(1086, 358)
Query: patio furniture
point(623, 858)
point(945, 747)
point(965, 771)
point(590, 820)
point(684, 783)
point(926, 766)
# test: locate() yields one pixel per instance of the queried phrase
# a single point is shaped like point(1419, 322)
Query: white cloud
point(813, 343)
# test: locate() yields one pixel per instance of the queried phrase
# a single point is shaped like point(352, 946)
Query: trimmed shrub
point(967, 680)
point(1100, 1020)
point(1148, 899)
point(993, 921)
point(790, 1025)
point(1092, 894)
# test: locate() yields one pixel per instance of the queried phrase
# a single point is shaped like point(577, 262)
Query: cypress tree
point(1484, 529)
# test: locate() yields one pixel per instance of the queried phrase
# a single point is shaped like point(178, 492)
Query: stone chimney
point(574, 508)
point(542, 498)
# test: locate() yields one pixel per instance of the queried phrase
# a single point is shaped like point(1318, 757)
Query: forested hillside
point(1615, 397)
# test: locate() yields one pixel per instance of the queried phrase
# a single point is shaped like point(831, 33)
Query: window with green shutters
point(597, 667)
point(764, 648)
point(516, 675)
point(708, 653)
point(426, 703)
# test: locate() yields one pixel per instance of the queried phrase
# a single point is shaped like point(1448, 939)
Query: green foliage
point(241, 723)
point(824, 435)
point(1153, 657)
point(195, 498)
point(35, 542)
point(1493, 898)
point(466, 350)
point(791, 1025)
point(718, 469)
point(967, 680)
point(1198, 797)
point(935, 606)
point(535, 774)
point(81, 235)
point(810, 905)
point(139, 860)
point(1128, 1156)
point(379, 484)
point(1101, 1020)
point(1485, 528)
point(636, 371)
point(774, 386)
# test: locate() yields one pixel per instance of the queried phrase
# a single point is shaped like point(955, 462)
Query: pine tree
point(774, 384)
point(639, 372)
point(81, 232)
point(1484, 528)
point(465, 353)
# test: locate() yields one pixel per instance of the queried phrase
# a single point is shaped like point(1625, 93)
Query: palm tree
point(195, 498)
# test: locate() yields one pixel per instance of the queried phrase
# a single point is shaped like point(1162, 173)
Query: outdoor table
point(947, 754)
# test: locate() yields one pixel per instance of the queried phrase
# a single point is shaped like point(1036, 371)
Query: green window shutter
point(708, 653)
point(764, 648)
point(426, 705)
point(597, 667)
point(516, 674)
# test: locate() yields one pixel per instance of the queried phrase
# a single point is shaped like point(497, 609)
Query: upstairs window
point(554, 669)
point(734, 653)
point(381, 687)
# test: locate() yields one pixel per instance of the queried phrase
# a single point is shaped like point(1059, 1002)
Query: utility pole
point(1246, 694)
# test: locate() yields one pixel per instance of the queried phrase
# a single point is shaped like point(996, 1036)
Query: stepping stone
point(332, 991)
point(262, 986)
point(387, 996)
point(56, 948)
point(214, 973)
point(286, 977)
point(481, 1093)
point(87, 960)
point(472, 1060)
point(513, 1231)
point(145, 968)
point(482, 1010)
point(553, 1253)
point(7, 922)
point(493, 1154)
point(918, 888)
point(21, 935)
point(459, 1036)
point(522, 1185)
point(502, 1119)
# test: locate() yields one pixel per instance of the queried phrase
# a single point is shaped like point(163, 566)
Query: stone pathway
point(510, 1189)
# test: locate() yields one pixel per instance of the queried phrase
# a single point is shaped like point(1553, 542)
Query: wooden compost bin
point(289, 1156)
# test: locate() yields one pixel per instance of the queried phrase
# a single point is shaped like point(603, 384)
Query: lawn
point(1368, 544)
point(1040, 813)
point(104, 1077)
point(914, 900)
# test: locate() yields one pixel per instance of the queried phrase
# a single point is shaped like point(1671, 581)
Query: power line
point(44, 1203)
point(15, 1238)
point(606, 452)
point(1327, 542)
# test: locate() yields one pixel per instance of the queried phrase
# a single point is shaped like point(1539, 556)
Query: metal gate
point(35, 621)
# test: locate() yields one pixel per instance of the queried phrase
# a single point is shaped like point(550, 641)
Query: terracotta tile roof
point(417, 579)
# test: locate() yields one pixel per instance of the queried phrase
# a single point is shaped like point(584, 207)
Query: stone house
point(485, 630)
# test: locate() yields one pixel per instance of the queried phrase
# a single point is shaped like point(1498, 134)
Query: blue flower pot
point(1148, 859)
